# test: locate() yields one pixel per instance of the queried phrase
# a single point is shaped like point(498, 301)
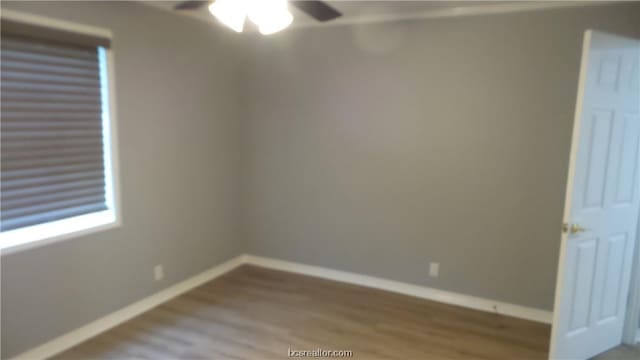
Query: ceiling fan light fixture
point(275, 23)
point(230, 12)
point(271, 16)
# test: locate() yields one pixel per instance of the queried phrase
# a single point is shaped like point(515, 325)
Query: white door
point(603, 197)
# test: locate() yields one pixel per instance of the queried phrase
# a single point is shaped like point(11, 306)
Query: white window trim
point(42, 234)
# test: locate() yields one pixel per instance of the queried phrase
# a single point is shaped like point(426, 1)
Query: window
point(56, 127)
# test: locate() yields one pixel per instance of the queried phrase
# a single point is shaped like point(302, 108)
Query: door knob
point(573, 228)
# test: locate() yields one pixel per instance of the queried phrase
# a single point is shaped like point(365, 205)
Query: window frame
point(55, 231)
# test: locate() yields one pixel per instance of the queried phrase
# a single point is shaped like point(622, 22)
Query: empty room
point(273, 179)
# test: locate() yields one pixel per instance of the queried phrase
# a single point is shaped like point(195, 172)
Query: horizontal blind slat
point(49, 59)
point(51, 79)
point(15, 180)
point(46, 143)
point(8, 86)
point(79, 159)
point(31, 155)
point(24, 201)
point(15, 106)
point(22, 221)
point(49, 125)
point(43, 68)
point(43, 133)
point(38, 173)
point(50, 182)
point(51, 206)
point(51, 187)
point(49, 97)
point(47, 116)
point(39, 47)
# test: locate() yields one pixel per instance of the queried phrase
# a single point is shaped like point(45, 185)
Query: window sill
point(38, 235)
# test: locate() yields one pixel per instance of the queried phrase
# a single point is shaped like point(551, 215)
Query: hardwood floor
point(622, 352)
point(255, 313)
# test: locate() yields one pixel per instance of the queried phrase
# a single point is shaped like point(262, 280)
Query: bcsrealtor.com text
point(319, 353)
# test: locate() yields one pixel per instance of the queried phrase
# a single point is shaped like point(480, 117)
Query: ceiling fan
point(270, 15)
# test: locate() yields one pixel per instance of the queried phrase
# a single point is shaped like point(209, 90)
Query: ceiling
point(377, 11)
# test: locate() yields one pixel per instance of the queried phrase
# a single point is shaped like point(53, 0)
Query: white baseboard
point(423, 292)
point(81, 334)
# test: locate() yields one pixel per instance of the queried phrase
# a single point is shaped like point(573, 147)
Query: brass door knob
point(573, 228)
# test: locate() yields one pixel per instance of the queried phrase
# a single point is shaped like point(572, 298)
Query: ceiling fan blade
point(318, 10)
point(190, 5)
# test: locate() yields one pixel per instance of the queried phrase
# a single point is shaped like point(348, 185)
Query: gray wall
point(176, 103)
point(373, 149)
point(378, 148)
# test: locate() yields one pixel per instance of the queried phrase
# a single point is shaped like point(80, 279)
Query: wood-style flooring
point(622, 352)
point(255, 313)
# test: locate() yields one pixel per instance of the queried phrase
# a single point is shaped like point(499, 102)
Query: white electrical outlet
point(158, 272)
point(434, 269)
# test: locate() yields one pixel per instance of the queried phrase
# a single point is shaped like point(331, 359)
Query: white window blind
point(51, 130)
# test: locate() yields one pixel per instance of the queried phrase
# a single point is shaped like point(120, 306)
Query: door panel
point(614, 250)
point(584, 262)
point(602, 198)
point(626, 178)
point(597, 159)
